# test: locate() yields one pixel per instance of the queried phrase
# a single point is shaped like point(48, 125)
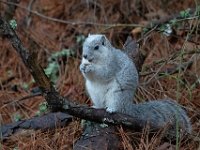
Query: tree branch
point(54, 99)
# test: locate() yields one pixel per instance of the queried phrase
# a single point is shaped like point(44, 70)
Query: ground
point(171, 68)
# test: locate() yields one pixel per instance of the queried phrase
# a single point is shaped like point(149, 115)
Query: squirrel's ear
point(89, 34)
point(103, 39)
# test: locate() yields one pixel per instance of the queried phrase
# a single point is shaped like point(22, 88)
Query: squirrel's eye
point(96, 47)
point(103, 43)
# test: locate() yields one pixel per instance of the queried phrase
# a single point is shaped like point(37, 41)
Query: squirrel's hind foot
point(110, 110)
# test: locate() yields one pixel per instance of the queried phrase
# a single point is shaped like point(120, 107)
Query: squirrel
point(111, 79)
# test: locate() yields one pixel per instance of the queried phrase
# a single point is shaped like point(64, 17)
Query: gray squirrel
point(111, 79)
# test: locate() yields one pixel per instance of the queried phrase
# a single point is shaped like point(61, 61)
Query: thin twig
point(147, 34)
point(28, 17)
point(23, 98)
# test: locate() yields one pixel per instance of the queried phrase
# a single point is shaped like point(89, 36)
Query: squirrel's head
point(96, 48)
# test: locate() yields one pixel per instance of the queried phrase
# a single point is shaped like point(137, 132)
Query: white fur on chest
point(98, 93)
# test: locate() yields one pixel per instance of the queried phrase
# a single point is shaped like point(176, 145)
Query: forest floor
point(171, 67)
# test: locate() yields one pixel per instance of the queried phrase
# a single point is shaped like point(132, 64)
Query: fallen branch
point(45, 122)
point(56, 101)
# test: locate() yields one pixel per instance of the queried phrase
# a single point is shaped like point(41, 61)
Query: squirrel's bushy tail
point(160, 114)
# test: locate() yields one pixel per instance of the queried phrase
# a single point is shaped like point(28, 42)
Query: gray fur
point(111, 81)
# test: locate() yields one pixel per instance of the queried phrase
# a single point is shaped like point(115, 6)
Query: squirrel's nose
point(85, 56)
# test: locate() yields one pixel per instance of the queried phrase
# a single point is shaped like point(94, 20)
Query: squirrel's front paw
point(85, 68)
point(110, 110)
